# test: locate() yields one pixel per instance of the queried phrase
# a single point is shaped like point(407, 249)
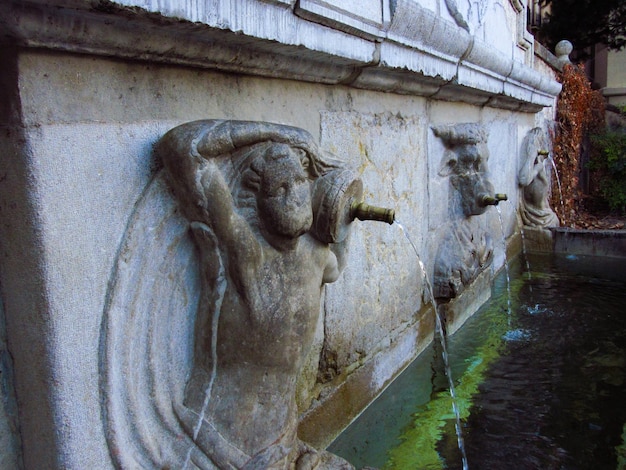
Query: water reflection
point(547, 392)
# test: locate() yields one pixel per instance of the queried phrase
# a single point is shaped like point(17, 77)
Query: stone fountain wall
point(88, 88)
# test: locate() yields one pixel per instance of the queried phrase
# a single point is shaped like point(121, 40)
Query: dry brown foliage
point(580, 110)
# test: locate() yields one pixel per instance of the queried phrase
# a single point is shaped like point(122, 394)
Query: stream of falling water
point(558, 182)
point(525, 254)
point(506, 265)
point(215, 318)
point(444, 350)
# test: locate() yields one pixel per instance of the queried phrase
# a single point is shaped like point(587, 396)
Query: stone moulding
point(409, 50)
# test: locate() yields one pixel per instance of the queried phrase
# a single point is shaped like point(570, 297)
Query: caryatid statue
point(534, 208)
point(270, 215)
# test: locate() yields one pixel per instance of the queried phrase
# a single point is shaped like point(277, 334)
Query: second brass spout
point(363, 211)
point(493, 200)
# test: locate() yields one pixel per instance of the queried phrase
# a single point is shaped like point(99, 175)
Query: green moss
point(418, 446)
point(621, 451)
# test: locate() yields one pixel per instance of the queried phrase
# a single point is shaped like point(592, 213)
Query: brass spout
point(363, 211)
point(493, 200)
point(543, 152)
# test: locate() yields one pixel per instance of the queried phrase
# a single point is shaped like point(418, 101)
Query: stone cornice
point(413, 52)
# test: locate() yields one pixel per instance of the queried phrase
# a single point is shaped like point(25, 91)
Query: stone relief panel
point(503, 144)
point(216, 295)
point(465, 248)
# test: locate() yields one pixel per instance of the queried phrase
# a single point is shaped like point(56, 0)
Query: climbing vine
point(580, 110)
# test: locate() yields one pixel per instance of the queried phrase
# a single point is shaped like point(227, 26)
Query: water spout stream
point(444, 349)
point(506, 265)
point(215, 317)
point(525, 252)
point(558, 182)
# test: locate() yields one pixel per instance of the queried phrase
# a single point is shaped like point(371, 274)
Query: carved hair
point(454, 136)
point(461, 134)
point(534, 142)
point(233, 146)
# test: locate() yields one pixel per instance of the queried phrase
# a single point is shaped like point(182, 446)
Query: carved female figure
point(535, 208)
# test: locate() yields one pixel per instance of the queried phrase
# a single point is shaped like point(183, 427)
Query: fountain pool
point(547, 391)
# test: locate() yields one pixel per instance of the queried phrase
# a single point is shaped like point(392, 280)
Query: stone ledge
point(570, 241)
point(416, 53)
point(607, 91)
point(537, 240)
point(548, 57)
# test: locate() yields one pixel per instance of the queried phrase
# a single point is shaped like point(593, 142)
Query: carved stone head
point(465, 163)
point(280, 179)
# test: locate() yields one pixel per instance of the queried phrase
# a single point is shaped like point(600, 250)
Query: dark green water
point(543, 389)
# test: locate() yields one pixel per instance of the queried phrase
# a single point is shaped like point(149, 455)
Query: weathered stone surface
point(537, 240)
point(358, 357)
point(388, 154)
point(89, 88)
point(323, 421)
point(58, 255)
point(453, 314)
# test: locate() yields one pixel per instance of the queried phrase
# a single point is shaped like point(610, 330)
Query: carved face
point(468, 174)
point(284, 199)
